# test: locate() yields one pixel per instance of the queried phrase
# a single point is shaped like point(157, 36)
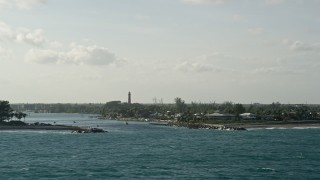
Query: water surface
point(142, 151)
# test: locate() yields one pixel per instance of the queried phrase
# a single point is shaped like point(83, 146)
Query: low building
point(248, 116)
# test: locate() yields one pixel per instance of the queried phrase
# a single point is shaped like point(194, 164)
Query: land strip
point(46, 127)
point(241, 126)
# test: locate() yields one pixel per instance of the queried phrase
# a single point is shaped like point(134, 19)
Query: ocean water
point(143, 151)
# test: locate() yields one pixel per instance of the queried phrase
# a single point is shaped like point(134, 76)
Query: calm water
point(142, 151)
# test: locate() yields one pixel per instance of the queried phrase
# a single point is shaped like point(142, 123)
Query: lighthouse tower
point(129, 97)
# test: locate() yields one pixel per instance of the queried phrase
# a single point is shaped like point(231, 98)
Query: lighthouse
point(129, 97)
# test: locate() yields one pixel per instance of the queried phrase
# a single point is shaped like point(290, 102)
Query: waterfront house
point(248, 116)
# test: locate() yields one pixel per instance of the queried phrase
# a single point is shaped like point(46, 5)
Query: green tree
point(275, 110)
point(238, 109)
point(20, 115)
point(227, 107)
point(180, 105)
point(5, 110)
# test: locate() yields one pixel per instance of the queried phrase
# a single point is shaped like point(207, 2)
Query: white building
point(248, 116)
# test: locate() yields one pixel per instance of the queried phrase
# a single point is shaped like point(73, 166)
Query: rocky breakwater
point(89, 130)
point(44, 126)
point(205, 126)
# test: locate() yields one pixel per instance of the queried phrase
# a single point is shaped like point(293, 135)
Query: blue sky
point(200, 50)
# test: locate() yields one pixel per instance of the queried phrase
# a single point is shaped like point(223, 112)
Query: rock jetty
point(205, 126)
point(89, 130)
point(42, 126)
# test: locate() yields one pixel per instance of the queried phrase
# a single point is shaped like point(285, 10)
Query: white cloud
point(204, 1)
point(55, 45)
point(93, 55)
point(277, 70)
point(33, 37)
point(188, 66)
point(301, 46)
point(216, 62)
point(47, 53)
point(43, 56)
point(5, 32)
point(20, 4)
point(77, 55)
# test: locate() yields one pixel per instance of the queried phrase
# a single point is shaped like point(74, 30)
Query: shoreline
point(243, 126)
point(176, 124)
point(287, 125)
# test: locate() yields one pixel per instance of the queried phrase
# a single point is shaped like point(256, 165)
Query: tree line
point(179, 110)
point(89, 108)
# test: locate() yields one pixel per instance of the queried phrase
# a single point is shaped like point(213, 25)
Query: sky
point(81, 51)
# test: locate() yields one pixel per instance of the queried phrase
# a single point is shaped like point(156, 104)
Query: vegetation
point(116, 109)
point(7, 114)
point(199, 112)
